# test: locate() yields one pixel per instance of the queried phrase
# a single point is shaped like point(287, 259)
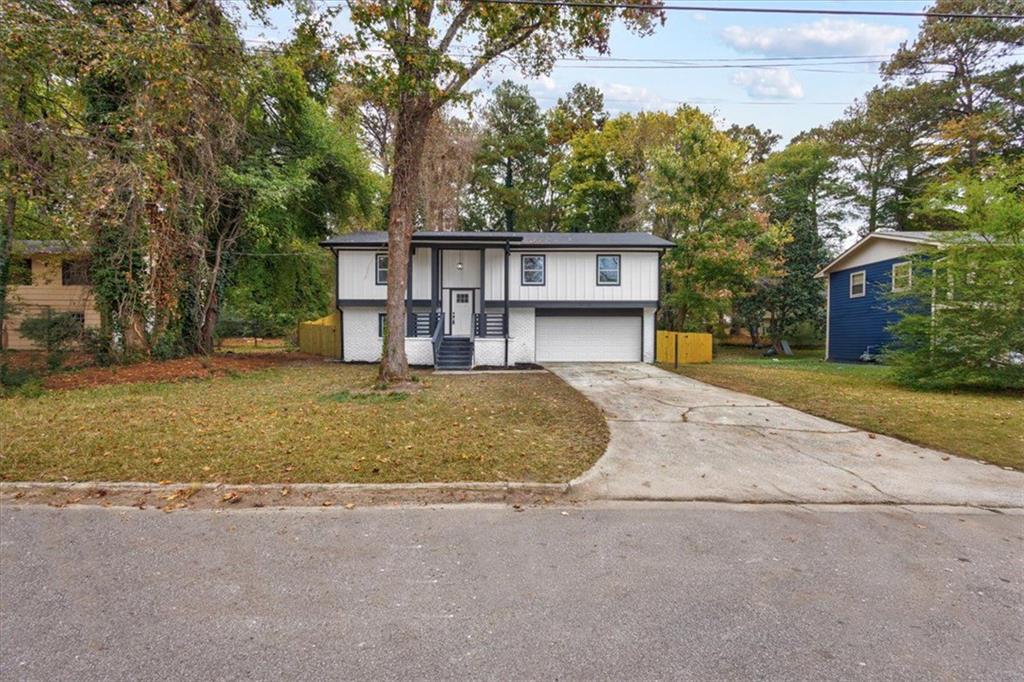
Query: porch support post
point(410, 316)
point(435, 283)
point(482, 328)
point(507, 321)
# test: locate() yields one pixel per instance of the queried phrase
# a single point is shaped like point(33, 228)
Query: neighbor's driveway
point(680, 439)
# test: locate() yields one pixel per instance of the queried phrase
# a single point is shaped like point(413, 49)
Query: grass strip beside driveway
point(985, 426)
point(307, 423)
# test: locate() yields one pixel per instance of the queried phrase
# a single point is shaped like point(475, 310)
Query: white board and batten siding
point(572, 276)
point(570, 279)
point(357, 275)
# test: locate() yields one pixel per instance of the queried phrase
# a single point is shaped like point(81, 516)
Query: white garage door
point(593, 338)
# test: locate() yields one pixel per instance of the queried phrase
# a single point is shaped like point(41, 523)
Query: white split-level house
point(504, 298)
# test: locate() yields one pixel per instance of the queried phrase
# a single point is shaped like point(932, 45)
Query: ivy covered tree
point(411, 52)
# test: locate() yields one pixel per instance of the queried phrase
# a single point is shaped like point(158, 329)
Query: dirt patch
point(175, 370)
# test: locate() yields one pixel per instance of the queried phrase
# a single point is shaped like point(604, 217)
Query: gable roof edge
point(892, 236)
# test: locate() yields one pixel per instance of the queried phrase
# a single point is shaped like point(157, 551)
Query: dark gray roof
point(50, 246)
point(599, 240)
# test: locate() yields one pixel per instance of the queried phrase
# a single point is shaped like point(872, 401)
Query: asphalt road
point(638, 591)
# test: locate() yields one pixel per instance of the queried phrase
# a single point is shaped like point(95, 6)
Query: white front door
point(461, 314)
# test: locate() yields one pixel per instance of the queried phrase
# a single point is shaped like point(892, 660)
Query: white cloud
point(769, 83)
point(819, 39)
point(618, 94)
point(546, 82)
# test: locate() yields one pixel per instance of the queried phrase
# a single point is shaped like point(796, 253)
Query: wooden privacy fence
point(679, 348)
point(321, 337)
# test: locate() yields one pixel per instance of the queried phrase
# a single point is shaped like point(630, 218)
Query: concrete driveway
point(674, 438)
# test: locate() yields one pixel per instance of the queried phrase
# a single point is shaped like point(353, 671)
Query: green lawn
point(304, 423)
point(986, 426)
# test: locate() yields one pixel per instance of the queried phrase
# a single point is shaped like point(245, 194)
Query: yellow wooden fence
point(321, 337)
point(678, 348)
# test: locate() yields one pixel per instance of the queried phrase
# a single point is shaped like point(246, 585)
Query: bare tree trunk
point(410, 135)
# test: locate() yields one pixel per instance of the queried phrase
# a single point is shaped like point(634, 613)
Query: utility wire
point(585, 4)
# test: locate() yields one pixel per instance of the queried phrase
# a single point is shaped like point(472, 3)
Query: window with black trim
point(858, 283)
point(532, 271)
point(609, 270)
point(382, 324)
point(382, 268)
point(75, 273)
point(21, 272)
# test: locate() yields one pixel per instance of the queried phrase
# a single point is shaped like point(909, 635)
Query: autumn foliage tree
point(419, 55)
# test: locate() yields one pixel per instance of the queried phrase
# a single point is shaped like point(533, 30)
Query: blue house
point(857, 287)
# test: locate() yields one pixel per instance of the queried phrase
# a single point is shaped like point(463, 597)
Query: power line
point(588, 4)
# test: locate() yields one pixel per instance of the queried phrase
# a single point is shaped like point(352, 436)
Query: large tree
point(798, 188)
point(579, 112)
point(697, 192)
point(597, 180)
point(452, 146)
point(977, 83)
point(509, 167)
point(420, 54)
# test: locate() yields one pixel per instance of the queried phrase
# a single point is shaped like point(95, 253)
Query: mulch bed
point(175, 370)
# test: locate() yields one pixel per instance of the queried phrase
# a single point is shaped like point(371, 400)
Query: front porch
point(463, 326)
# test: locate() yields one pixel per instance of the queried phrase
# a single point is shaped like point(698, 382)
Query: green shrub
point(963, 325)
point(55, 332)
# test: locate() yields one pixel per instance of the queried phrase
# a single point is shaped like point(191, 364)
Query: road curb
point(390, 490)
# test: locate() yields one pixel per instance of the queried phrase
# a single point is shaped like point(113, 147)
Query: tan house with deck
point(47, 274)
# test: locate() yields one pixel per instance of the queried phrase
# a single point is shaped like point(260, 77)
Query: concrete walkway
point(674, 438)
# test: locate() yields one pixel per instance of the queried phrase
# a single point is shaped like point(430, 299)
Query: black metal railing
point(436, 333)
point(490, 324)
point(420, 324)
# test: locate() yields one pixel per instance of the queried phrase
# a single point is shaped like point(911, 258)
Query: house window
point(382, 269)
point(382, 324)
point(532, 271)
point(901, 276)
point(858, 283)
point(608, 270)
point(462, 298)
point(21, 272)
point(74, 273)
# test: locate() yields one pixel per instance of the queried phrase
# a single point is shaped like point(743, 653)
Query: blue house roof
point(922, 238)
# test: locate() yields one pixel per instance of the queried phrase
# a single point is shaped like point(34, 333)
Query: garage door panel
point(588, 338)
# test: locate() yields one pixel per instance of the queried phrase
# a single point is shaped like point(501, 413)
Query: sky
point(788, 73)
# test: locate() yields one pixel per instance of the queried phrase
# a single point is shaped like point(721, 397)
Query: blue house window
point(902, 276)
point(382, 268)
point(858, 283)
